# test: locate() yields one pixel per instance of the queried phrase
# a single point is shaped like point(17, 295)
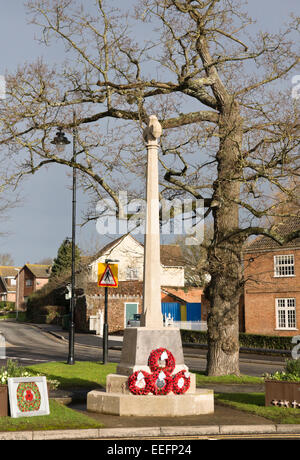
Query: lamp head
point(60, 140)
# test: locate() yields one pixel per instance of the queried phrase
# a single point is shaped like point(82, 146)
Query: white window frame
point(137, 310)
point(132, 273)
point(286, 262)
point(285, 308)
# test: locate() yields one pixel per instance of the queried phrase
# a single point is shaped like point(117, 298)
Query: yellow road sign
point(108, 275)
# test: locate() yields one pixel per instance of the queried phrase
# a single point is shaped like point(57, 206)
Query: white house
point(130, 254)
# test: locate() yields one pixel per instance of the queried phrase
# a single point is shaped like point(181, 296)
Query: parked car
point(135, 322)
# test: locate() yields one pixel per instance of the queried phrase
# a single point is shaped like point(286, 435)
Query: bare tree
point(231, 129)
point(6, 259)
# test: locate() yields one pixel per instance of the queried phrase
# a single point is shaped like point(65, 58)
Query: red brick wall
point(116, 310)
point(262, 289)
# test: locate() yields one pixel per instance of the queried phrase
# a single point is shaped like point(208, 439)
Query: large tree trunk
point(225, 253)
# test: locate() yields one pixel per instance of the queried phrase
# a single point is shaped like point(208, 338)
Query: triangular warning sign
point(108, 278)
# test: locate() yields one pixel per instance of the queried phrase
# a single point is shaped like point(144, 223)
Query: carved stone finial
point(153, 130)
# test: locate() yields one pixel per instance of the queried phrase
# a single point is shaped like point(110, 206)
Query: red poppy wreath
point(161, 354)
point(162, 383)
point(181, 382)
point(140, 383)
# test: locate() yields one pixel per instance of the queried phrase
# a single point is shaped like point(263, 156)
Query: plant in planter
point(283, 387)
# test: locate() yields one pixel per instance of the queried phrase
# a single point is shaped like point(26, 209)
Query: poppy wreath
point(28, 397)
point(161, 384)
point(181, 382)
point(156, 355)
point(133, 383)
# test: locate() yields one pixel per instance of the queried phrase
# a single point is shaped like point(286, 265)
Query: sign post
point(107, 277)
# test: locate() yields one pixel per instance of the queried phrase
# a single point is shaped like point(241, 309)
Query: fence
point(191, 325)
point(96, 323)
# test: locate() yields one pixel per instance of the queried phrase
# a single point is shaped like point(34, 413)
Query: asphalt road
point(30, 345)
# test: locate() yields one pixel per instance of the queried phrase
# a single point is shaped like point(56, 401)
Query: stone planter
point(282, 394)
point(4, 405)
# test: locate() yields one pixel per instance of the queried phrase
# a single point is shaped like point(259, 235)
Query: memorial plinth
point(140, 342)
point(199, 403)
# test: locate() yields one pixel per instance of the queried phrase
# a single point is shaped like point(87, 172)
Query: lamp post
point(105, 325)
point(17, 292)
point(60, 141)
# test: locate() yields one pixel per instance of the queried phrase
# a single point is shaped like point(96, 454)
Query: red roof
point(284, 228)
point(189, 295)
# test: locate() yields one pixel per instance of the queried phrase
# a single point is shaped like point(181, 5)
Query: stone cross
point(152, 317)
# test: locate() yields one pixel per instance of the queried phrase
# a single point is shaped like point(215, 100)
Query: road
point(30, 345)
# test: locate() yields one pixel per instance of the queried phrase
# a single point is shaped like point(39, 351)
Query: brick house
point(30, 278)
point(272, 288)
point(123, 302)
point(8, 283)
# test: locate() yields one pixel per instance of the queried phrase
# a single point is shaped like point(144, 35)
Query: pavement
point(224, 421)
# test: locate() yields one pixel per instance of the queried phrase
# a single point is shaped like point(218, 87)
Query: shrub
point(13, 369)
point(291, 372)
point(292, 366)
point(48, 314)
point(7, 306)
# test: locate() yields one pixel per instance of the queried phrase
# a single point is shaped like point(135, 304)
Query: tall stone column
point(138, 342)
point(152, 316)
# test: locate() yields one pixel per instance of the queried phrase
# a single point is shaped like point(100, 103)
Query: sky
point(39, 224)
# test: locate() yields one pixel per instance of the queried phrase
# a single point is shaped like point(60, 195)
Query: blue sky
point(40, 223)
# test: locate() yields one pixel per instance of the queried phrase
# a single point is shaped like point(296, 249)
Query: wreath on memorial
point(140, 383)
point(161, 354)
point(181, 382)
point(162, 383)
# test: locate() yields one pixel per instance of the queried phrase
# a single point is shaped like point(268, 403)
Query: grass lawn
point(81, 374)
point(255, 404)
point(94, 374)
point(60, 418)
point(226, 379)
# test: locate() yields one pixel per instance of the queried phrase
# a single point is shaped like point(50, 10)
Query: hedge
point(48, 314)
point(268, 342)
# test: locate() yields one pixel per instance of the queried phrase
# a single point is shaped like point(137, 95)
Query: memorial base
point(199, 403)
point(138, 343)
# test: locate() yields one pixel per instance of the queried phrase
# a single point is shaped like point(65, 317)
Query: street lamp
point(17, 292)
point(105, 325)
point(60, 141)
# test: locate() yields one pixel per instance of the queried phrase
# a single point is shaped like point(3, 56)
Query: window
point(286, 313)
point(132, 273)
point(13, 282)
point(29, 282)
point(284, 265)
